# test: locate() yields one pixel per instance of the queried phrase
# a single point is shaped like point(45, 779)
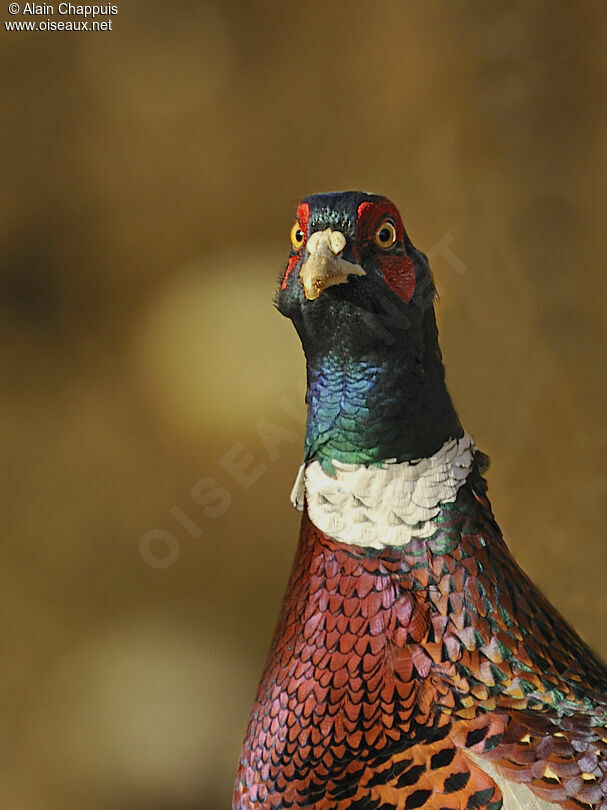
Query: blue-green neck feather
point(388, 404)
point(340, 398)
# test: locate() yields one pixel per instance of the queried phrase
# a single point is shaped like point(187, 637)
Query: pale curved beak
point(324, 266)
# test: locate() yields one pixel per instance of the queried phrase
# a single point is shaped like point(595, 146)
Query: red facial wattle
point(303, 214)
point(398, 270)
point(399, 275)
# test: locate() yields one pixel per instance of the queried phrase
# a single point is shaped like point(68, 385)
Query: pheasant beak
point(324, 266)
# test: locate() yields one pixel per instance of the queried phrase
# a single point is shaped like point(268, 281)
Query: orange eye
point(297, 236)
point(385, 235)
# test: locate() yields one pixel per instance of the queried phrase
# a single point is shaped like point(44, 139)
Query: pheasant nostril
point(337, 242)
point(327, 241)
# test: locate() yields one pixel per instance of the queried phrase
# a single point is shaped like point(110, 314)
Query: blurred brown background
point(150, 176)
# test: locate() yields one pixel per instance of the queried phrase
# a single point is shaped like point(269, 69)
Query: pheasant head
point(361, 297)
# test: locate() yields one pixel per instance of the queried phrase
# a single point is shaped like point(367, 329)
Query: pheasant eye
point(297, 236)
point(385, 235)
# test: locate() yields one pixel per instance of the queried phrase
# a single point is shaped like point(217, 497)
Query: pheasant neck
point(389, 404)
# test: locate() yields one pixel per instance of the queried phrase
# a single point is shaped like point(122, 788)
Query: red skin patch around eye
point(398, 271)
point(399, 274)
point(303, 214)
point(290, 265)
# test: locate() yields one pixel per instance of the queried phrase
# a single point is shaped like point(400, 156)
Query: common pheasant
point(414, 664)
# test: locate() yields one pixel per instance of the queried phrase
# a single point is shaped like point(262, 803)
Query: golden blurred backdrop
point(150, 177)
